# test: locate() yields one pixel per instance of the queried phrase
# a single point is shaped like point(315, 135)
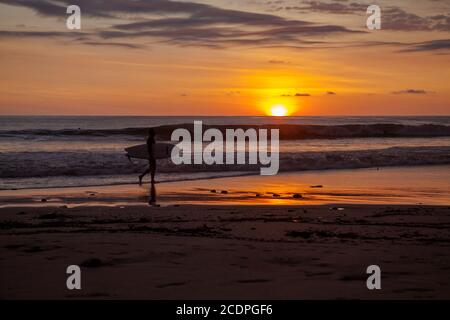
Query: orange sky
point(225, 58)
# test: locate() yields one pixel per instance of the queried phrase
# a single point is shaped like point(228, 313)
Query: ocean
point(70, 151)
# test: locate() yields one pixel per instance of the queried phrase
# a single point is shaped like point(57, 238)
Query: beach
point(226, 252)
point(245, 237)
point(351, 193)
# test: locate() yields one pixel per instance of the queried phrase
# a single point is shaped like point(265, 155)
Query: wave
point(287, 131)
point(79, 164)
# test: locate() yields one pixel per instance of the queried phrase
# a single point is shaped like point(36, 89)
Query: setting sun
point(278, 110)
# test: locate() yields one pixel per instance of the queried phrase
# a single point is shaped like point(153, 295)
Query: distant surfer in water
point(151, 157)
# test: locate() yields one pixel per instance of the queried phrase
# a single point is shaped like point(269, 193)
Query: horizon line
point(229, 116)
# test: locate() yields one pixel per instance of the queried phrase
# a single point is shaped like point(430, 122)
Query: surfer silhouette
point(151, 157)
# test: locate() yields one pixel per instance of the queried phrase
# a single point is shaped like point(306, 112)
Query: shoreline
point(386, 185)
point(234, 174)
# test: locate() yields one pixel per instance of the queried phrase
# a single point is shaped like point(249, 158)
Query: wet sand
point(422, 185)
point(227, 252)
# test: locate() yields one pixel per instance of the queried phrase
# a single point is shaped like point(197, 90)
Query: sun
point(278, 110)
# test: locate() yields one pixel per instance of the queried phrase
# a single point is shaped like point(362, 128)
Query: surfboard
point(161, 151)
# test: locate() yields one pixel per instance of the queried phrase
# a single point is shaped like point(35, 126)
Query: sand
point(227, 252)
point(307, 235)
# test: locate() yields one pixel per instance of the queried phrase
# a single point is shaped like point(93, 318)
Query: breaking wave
point(287, 131)
point(79, 164)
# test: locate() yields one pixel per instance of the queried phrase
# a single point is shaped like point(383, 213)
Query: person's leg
point(153, 171)
point(147, 171)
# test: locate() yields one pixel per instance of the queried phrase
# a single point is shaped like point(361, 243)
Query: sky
point(224, 57)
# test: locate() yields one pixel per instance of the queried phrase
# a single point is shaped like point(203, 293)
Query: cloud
point(393, 18)
point(331, 93)
point(196, 24)
point(78, 37)
point(43, 7)
point(189, 23)
point(41, 34)
point(115, 44)
point(297, 95)
point(411, 91)
point(433, 45)
point(277, 62)
point(221, 27)
point(330, 7)
point(232, 36)
point(105, 8)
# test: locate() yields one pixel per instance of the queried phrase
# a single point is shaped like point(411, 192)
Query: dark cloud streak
point(411, 91)
point(433, 45)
